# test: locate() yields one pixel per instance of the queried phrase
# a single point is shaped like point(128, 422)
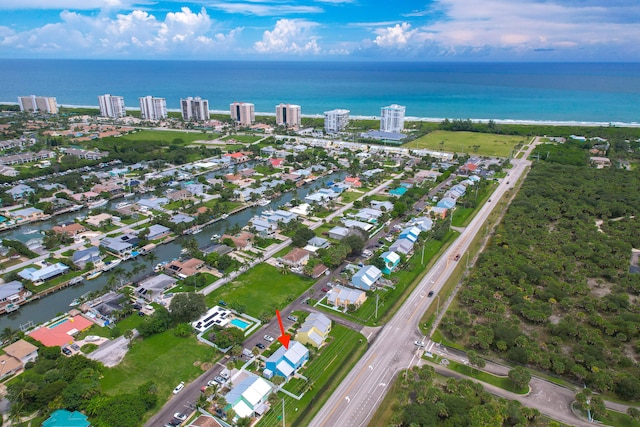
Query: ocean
point(556, 92)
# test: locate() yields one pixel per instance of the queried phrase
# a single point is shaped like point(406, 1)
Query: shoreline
point(527, 122)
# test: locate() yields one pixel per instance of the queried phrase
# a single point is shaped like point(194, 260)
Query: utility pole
point(377, 295)
point(283, 422)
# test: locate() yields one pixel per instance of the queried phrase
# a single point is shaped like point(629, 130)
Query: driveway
point(112, 352)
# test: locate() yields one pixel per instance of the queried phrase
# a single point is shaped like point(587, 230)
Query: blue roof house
point(366, 277)
point(83, 256)
point(19, 191)
point(284, 362)
point(410, 233)
point(391, 261)
point(64, 418)
point(398, 191)
point(447, 203)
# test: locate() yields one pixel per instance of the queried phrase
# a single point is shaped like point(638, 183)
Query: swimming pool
point(58, 323)
point(240, 324)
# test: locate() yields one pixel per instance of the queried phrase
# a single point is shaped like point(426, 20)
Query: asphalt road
point(358, 396)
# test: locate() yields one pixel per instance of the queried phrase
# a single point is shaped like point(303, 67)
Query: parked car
point(430, 294)
point(325, 289)
point(293, 318)
point(218, 379)
point(260, 346)
point(178, 388)
point(268, 338)
point(180, 416)
point(419, 343)
point(210, 383)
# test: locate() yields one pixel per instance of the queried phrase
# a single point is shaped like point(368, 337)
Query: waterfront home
point(281, 216)
point(238, 157)
point(249, 397)
point(263, 227)
point(38, 276)
point(99, 220)
point(154, 286)
point(158, 231)
point(184, 268)
point(181, 218)
point(315, 330)
point(285, 361)
point(20, 191)
point(177, 195)
point(69, 229)
point(27, 214)
point(83, 256)
point(118, 247)
point(296, 257)
point(11, 295)
point(353, 181)
point(15, 356)
point(366, 277)
point(242, 240)
point(340, 296)
point(86, 196)
point(391, 261)
point(277, 163)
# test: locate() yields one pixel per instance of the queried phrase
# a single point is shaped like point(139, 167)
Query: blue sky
point(402, 30)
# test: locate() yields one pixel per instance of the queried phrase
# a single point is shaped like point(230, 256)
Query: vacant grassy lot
point(260, 289)
point(350, 196)
point(474, 143)
point(325, 372)
point(165, 136)
point(162, 358)
point(247, 139)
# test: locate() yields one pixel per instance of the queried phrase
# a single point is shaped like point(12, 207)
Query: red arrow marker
point(283, 338)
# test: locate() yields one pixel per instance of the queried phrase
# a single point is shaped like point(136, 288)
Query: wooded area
point(553, 288)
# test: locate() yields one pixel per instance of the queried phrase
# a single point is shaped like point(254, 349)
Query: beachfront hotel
point(34, 103)
point(392, 118)
point(152, 108)
point(336, 120)
point(288, 115)
point(195, 109)
point(112, 106)
point(243, 113)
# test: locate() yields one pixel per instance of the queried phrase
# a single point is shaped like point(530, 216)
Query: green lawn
point(165, 136)
point(247, 139)
point(474, 143)
point(325, 372)
point(162, 358)
point(262, 288)
point(350, 196)
point(614, 418)
point(502, 382)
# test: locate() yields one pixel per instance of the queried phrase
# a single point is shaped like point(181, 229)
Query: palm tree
point(152, 258)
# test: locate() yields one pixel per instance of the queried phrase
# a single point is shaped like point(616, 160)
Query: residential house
point(285, 361)
point(263, 227)
point(318, 242)
point(64, 418)
point(281, 216)
point(15, 356)
point(427, 175)
point(119, 247)
point(205, 420)
point(20, 191)
point(242, 240)
point(410, 233)
point(177, 195)
point(184, 268)
point(384, 206)
point(82, 257)
point(350, 223)
point(99, 220)
point(11, 295)
point(338, 233)
point(340, 296)
point(315, 330)
point(366, 277)
point(303, 209)
point(391, 261)
point(38, 276)
point(447, 203)
point(423, 223)
point(154, 286)
point(248, 398)
point(277, 163)
point(27, 214)
point(368, 214)
point(154, 203)
point(157, 231)
point(296, 257)
point(398, 192)
point(403, 246)
point(353, 181)
point(8, 171)
point(181, 218)
point(69, 229)
point(238, 157)
point(319, 270)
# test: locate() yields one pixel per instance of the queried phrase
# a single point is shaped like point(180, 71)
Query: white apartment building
point(288, 115)
point(112, 106)
point(336, 120)
point(34, 103)
point(196, 109)
point(392, 118)
point(152, 108)
point(243, 113)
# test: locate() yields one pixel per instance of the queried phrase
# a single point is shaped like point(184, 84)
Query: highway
point(356, 399)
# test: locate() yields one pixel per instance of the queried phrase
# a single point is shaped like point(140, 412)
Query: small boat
point(11, 307)
point(75, 302)
point(76, 280)
point(159, 266)
point(184, 250)
point(97, 203)
point(128, 194)
point(268, 212)
point(215, 237)
point(30, 231)
point(263, 202)
point(94, 275)
point(109, 265)
point(223, 216)
point(122, 205)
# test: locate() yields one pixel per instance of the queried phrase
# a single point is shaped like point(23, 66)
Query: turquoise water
point(59, 322)
point(240, 324)
point(602, 92)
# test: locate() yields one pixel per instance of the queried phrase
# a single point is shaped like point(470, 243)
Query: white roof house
point(341, 296)
point(366, 277)
point(247, 396)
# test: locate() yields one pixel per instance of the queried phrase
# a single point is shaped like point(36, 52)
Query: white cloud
point(134, 34)
point(265, 9)
point(398, 36)
point(68, 4)
point(293, 36)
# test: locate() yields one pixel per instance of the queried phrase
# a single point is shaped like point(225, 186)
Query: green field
point(472, 143)
point(263, 288)
point(325, 371)
point(247, 139)
point(165, 136)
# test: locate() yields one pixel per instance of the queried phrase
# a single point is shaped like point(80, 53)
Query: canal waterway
point(48, 307)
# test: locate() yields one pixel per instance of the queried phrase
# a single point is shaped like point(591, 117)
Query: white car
point(179, 416)
point(178, 388)
point(268, 338)
point(419, 343)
